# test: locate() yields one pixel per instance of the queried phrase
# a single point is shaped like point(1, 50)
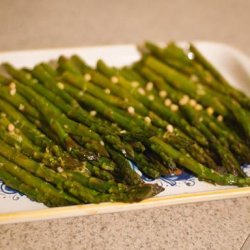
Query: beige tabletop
point(223, 224)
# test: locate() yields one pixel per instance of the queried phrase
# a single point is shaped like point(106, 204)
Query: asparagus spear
point(223, 132)
point(199, 151)
point(16, 184)
point(77, 113)
point(108, 112)
point(176, 138)
point(83, 193)
point(198, 67)
point(51, 195)
point(198, 169)
point(17, 139)
point(225, 86)
point(207, 98)
point(160, 109)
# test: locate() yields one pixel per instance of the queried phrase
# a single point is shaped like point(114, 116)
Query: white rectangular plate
point(15, 207)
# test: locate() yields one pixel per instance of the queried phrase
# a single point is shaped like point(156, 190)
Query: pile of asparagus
point(67, 130)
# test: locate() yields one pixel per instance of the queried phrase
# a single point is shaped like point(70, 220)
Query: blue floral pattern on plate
point(7, 192)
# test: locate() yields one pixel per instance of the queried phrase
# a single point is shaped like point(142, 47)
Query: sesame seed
point(192, 102)
point(12, 91)
point(60, 85)
point(114, 79)
point(124, 151)
point(198, 107)
point(87, 77)
point(174, 107)
point(12, 85)
point(141, 91)
point(107, 91)
point(131, 110)
point(134, 84)
point(11, 127)
point(210, 110)
point(170, 128)
point(147, 120)
point(151, 97)
point(93, 113)
point(102, 143)
point(149, 86)
point(123, 132)
point(163, 93)
point(167, 102)
point(220, 118)
point(21, 107)
point(65, 126)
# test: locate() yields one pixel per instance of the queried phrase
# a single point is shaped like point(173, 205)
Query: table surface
point(223, 224)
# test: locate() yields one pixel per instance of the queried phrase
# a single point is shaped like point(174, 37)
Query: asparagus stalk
point(198, 169)
point(176, 138)
point(77, 113)
point(160, 109)
point(198, 67)
point(51, 195)
point(225, 85)
point(201, 93)
point(236, 144)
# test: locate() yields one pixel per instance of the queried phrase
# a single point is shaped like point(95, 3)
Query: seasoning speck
point(174, 107)
point(151, 97)
point(184, 100)
point(12, 91)
point(210, 110)
point(163, 93)
point(167, 102)
point(11, 127)
point(107, 91)
point(149, 86)
point(134, 84)
point(141, 91)
point(60, 85)
point(114, 79)
point(131, 110)
point(192, 102)
point(93, 113)
point(21, 107)
point(198, 107)
point(59, 169)
point(147, 120)
point(12, 85)
point(87, 77)
point(220, 118)
point(170, 128)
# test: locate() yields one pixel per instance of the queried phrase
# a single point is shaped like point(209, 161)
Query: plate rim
point(108, 207)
